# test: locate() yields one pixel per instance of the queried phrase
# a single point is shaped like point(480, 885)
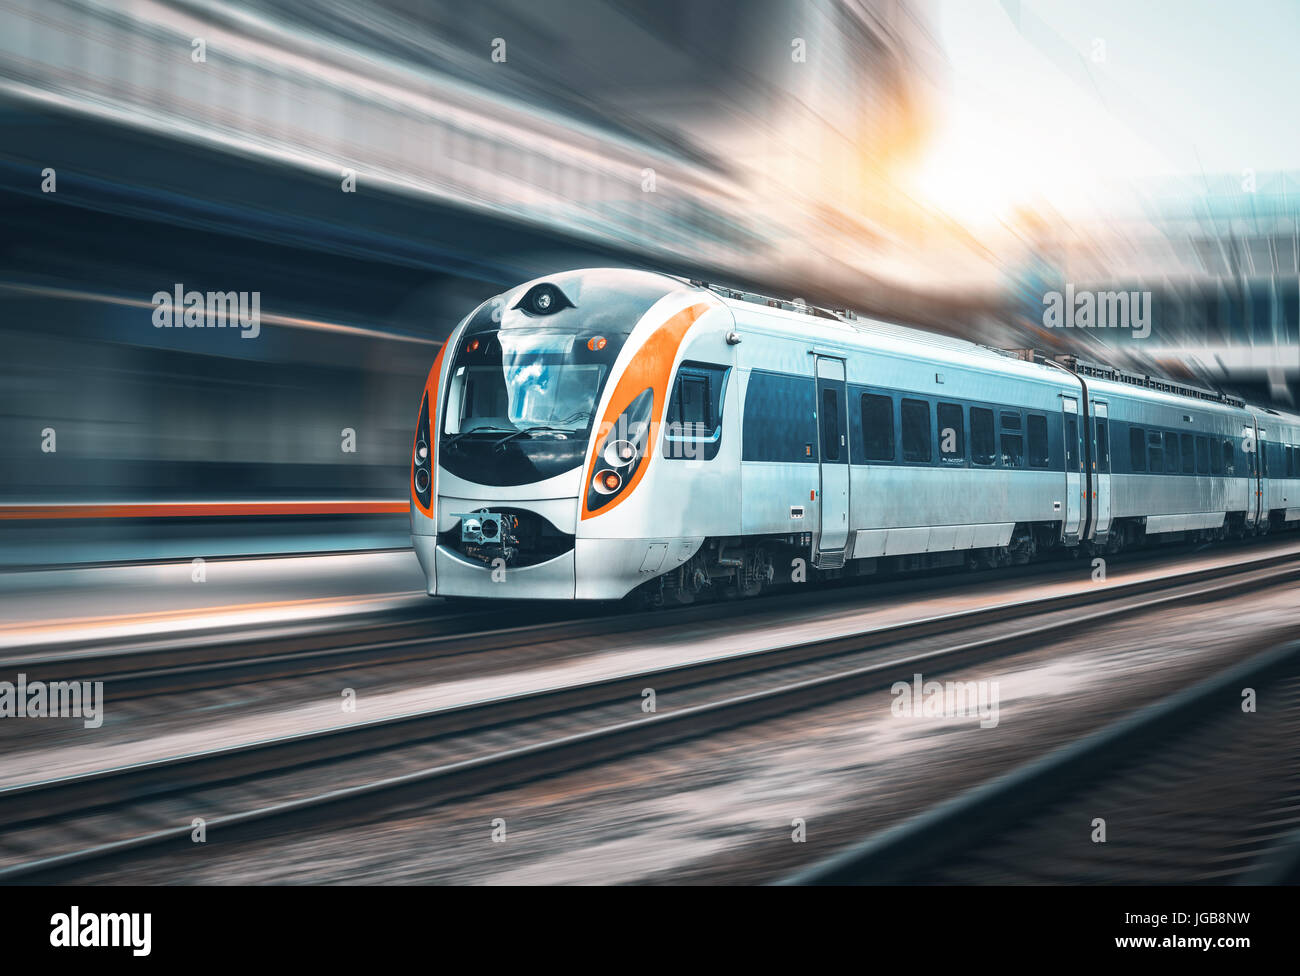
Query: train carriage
point(602, 431)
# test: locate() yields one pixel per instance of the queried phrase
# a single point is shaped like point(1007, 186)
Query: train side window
point(1038, 457)
point(916, 431)
point(1103, 446)
point(692, 402)
point(1263, 457)
point(1216, 458)
point(779, 418)
point(1013, 442)
point(878, 427)
point(1171, 453)
point(1290, 462)
point(1072, 462)
point(982, 446)
point(952, 435)
point(1137, 453)
point(831, 423)
point(1189, 454)
point(693, 420)
point(1155, 452)
point(1229, 457)
point(1202, 455)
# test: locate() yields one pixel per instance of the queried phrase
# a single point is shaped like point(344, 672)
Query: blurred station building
point(1219, 257)
point(373, 171)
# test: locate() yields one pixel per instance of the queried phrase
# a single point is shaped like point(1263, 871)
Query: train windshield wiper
point(530, 431)
point(486, 428)
point(538, 428)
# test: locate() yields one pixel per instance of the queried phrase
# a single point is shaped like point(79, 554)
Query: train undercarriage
point(730, 568)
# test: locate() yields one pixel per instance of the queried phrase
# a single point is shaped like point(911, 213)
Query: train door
point(1250, 450)
point(832, 425)
point(1101, 468)
point(1261, 485)
point(1073, 469)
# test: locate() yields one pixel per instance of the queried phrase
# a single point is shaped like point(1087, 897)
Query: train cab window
point(952, 434)
point(1103, 446)
point(982, 447)
point(1013, 442)
point(878, 427)
point(1189, 454)
point(830, 424)
point(693, 421)
point(1229, 457)
point(1155, 452)
point(1072, 461)
point(916, 431)
point(1202, 455)
point(1137, 452)
point(1038, 456)
point(1216, 458)
point(1171, 453)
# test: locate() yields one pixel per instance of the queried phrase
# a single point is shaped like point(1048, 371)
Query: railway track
point(50, 829)
point(133, 669)
point(1190, 789)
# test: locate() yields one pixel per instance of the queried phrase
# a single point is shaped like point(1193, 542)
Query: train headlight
point(620, 452)
point(543, 299)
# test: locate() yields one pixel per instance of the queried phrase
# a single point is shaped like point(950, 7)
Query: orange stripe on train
point(650, 367)
point(431, 386)
point(199, 509)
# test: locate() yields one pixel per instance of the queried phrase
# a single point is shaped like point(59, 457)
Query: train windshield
point(545, 383)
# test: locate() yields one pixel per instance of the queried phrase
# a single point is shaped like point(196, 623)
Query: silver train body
point(595, 432)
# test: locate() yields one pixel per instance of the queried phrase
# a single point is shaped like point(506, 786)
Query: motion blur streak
point(202, 509)
point(271, 319)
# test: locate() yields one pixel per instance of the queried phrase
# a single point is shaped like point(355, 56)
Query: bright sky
point(1082, 97)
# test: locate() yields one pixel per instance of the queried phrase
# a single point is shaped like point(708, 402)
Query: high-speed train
point(601, 431)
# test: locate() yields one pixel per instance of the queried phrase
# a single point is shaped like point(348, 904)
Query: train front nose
point(521, 550)
point(515, 436)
